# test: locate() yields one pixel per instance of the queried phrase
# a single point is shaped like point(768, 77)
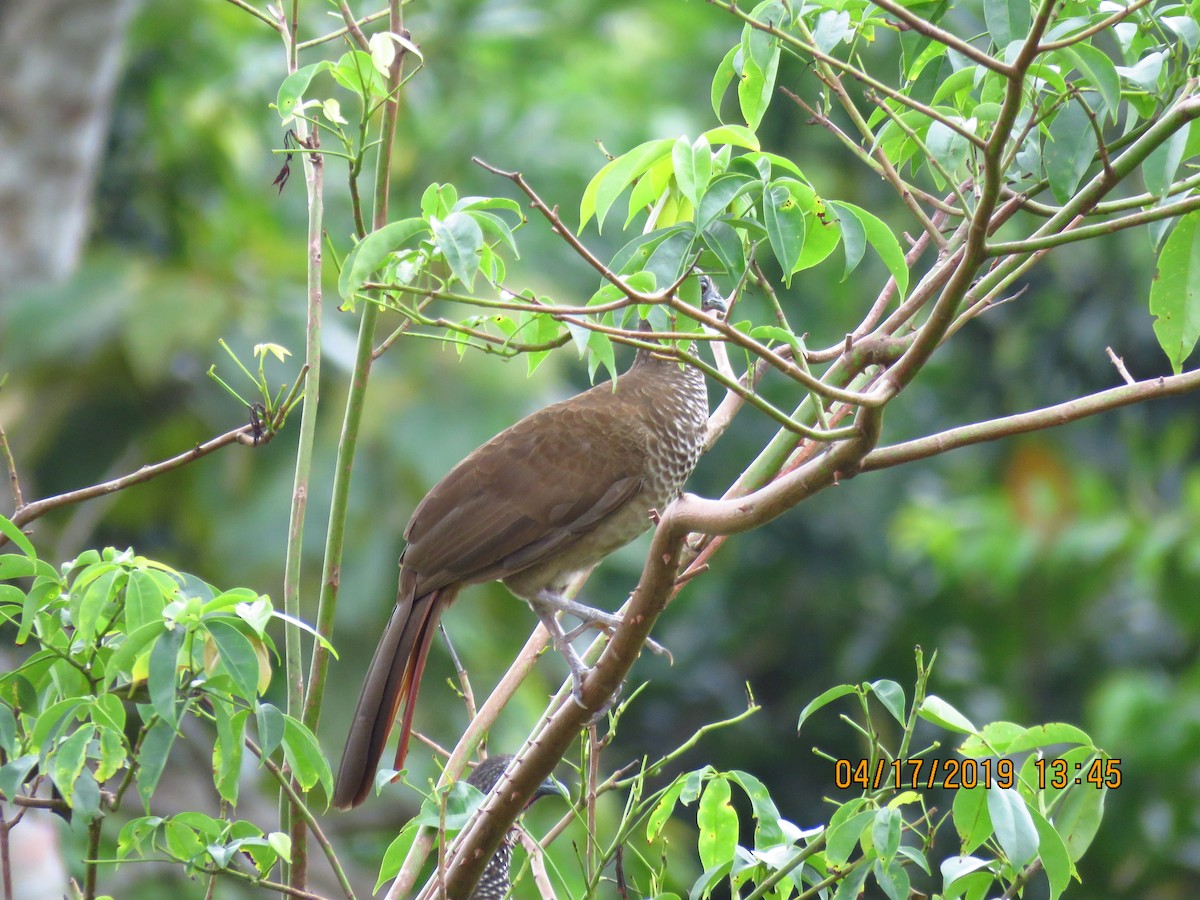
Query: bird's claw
point(609, 628)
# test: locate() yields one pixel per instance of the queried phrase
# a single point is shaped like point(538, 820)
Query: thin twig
point(38, 508)
point(464, 679)
point(1120, 364)
point(11, 465)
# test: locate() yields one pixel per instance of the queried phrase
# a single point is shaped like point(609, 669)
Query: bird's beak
point(552, 787)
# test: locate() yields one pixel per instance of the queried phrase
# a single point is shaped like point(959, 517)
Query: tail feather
point(393, 680)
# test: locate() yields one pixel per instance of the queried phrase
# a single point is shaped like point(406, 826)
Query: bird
point(542, 501)
point(495, 881)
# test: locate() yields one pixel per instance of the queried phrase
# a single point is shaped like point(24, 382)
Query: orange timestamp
point(970, 773)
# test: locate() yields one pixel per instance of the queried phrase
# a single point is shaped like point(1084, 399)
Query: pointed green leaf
point(693, 167)
point(369, 255)
point(291, 91)
point(1070, 151)
point(717, 822)
point(935, 709)
point(881, 239)
point(826, 697)
point(1013, 825)
point(1175, 292)
point(237, 656)
point(163, 678)
point(610, 182)
point(152, 758)
point(1006, 20)
point(891, 695)
point(459, 237)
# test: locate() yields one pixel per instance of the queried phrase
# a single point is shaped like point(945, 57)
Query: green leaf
point(1100, 73)
point(1071, 150)
point(227, 751)
point(99, 594)
point(107, 710)
point(395, 854)
point(85, 802)
point(892, 877)
point(1052, 851)
point(717, 822)
point(356, 72)
point(144, 600)
point(1078, 818)
point(237, 656)
point(956, 867)
point(720, 193)
point(42, 592)
point(291, 91)
point(971, 818)
point(304, 756)
point(69, 757)
point(122, 662)
point(843, 837)
point(721, 78)
point(735, 135)
point(1158, 171)
point(661, 814)
point(1013, 825)
point(370, 254)
point(936, 710)
point(725, 244)
point(885, 833)
point(672, 255)
point(270, 727)
point(757, 85)
point(17, 536)
point(164, 661)
point(1145, 73)
point(8, 730)
point(851, 887)
point(1047, 735)
point(826, 697)
point(832, 27)
point(14, 773)
point(881, 239)
point(785, 224)
point(891, 695)
point(767, 831)
point(947, 146)
point(610, 182)
point(1006, 20)
point(693, 167)
point(113, 754)
point(459, 237)
point(152, 758)
point(1175, 292)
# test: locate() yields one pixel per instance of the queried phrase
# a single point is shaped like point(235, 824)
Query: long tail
point(393, 679)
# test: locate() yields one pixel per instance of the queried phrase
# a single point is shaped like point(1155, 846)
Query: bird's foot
point(562, 642)
point(591, 618)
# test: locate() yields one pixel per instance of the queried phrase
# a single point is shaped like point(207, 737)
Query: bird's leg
point(590, 618)
point(546, 611)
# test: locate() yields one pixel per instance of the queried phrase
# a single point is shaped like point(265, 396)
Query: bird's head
point(711, 300)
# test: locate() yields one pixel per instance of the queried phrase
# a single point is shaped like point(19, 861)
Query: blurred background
point(1057, 575)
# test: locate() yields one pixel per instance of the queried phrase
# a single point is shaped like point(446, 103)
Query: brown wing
point(531, 491)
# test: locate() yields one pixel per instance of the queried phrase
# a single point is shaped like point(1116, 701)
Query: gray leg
point(546, 611)
point(591, 618)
